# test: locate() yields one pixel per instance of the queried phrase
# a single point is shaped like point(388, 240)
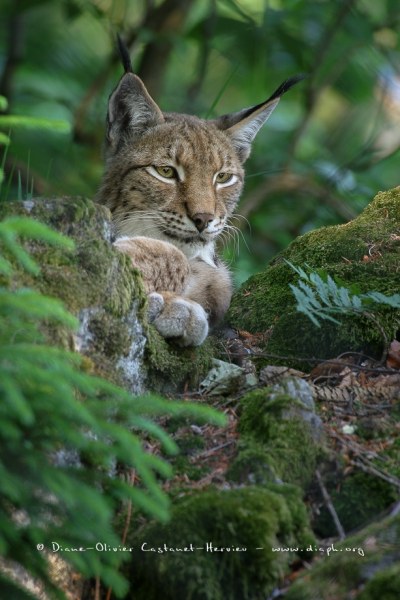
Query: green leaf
point(5, 266)
point(380, 298)
point(27, 227)
point(7, 238)
point(311, 288)
point(34, 305)
point(13, 395)
point(11, 121)
point(4, 139)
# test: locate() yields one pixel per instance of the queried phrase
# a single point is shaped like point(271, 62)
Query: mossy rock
point(93, 274)
point(385, 585)
point(95, 282)
point(364, 253)
point(98, 284)
point(171, 368)
point(253, 519)
point(285, 429)
point(365, 566)
point(252, 465)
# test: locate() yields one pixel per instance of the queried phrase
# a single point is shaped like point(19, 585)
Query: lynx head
point(173, 176)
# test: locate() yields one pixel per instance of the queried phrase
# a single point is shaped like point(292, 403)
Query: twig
point(331, 361)
point(207, 37)
point(295, 184)
point(168, 19)
point(211, 451)
point(367, 467)
point(364, 463)
point(395, 510)
point(97, 589)
point(330, 507)
point(381, 331)
point(156, 19)
point(132, 478)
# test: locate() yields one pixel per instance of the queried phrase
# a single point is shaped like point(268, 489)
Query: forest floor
point(357, 399)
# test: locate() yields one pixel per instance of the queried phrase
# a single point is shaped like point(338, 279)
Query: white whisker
point(239, 233)
point(238, 216)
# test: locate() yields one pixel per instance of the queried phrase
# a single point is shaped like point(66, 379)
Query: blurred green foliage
point(329, 147)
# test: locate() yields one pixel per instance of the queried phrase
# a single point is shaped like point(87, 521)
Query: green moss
point(171, 368)
point(111, 336)
point(94, 274)
point(365, 557)
point(277, 421)
point(385, 585)
point(252, 464)
point(265, 301)
point(248, 518)
point(357, 500)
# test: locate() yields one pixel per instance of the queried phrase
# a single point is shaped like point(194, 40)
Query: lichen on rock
point(363, 253)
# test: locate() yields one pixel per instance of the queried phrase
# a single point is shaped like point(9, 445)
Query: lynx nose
point(202, 220)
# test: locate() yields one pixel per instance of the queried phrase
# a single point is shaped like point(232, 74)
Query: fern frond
point(319, 296)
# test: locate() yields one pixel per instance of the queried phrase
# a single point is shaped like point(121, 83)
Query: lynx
point(171, 182)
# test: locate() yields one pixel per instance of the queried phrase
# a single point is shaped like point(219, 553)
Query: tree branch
point(13, 50)
point(289, 182)
point(166, 21)
point(208, 33)
point(312, 92)
point(162, 21)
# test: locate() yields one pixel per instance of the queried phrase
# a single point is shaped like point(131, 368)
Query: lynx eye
point(167, 172)
point(223, 177)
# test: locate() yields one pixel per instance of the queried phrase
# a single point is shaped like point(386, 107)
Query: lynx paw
point(178, 318)
point(155, 304)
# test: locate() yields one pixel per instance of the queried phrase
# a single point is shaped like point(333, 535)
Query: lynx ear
point(243, 126)
point(131, 109)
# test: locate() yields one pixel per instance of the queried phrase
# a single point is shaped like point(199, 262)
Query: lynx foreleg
point(163, 266)
point(211, 287)
point(179, 318)
point(202, 305)
point(165, 271)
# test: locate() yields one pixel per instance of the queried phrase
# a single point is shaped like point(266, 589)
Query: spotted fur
point(169, 225)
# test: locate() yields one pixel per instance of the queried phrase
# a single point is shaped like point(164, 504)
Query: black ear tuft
point(286, 85)
point(124, 54)
point(242, 126)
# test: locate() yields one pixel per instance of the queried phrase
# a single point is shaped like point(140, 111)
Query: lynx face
point(178, 181)
point(175, 177)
